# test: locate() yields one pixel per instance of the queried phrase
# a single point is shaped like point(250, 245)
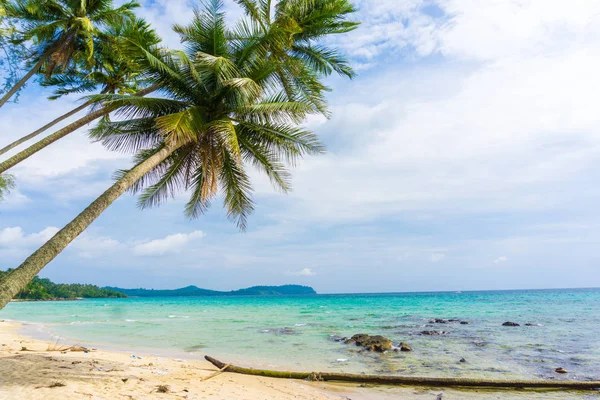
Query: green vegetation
point(190, 291)
point(7, 182)
point(233, 97)
point(45, 289)
point(61, 32)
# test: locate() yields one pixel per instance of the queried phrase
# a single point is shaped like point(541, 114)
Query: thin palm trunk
point(34, 148)
point(43, 128)
point(22, 81)
point(16, 280)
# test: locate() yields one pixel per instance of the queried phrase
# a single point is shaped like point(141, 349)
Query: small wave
point(130, 320)
point(341, 360)
point(300, 325)
point(179, 316)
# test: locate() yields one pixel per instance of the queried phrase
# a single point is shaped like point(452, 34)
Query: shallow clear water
point(297, 332)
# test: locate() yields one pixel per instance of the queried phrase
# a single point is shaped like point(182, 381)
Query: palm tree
point(7, 183)
point(62, 31)
point(12, 54)
point(219, 113)
point(114, 70)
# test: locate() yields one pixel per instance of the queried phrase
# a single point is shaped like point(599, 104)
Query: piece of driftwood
point(408, 380)
point(219, 372)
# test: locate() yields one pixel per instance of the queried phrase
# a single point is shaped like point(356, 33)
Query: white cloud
point(16, 237)
point(305, 272)
point(437, 257)
point(14, 242)
point(14, 200)
point(517, 129)
point(169, 244)
point(501, 259)
point(89, 246)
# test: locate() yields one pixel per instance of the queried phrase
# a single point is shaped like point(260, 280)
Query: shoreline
point(29, 368)
point(52, 299)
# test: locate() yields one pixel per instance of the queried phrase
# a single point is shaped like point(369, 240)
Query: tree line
point(194, 119)
point(45, 289)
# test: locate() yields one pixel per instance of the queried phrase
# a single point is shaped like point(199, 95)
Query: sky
point(464, 156)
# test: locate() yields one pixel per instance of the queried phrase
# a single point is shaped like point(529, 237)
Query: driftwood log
point(407, 380)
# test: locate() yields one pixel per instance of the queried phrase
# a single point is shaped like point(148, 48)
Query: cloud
point(305, 272)
point(90, 246)
point(170, 244)
point(15, 237)
point(500, 260)
point(14, 242)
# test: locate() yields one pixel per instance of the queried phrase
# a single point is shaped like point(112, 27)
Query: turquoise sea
point(299, 332)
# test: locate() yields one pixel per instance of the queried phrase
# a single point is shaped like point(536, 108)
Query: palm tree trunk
point(34, 148)
point(22, 81)
point(43, 128)
point(17, 279)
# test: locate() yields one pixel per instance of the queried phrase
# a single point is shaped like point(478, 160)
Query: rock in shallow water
point(434, 333)
point(405, 347)
point(508, 323)
point(560, 370)
point(371, 343)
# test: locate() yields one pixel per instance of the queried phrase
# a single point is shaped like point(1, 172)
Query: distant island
point(190, 291)
point(45, 289)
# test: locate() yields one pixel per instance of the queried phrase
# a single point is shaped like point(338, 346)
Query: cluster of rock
point(508, 323)
point(434, 333)
point(376, 343)
point(448, 321)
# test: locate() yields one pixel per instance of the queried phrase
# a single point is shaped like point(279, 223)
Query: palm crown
point(225, 105)
point(114, 69)
point(63, 31)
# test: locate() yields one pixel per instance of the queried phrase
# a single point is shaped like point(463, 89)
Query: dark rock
point(371, 343)
point(464, 322)
point(285, 331)
point(336, 338)
point(530, 324)
point(438, 321)
point(463, 360)
point(508, 323)
point(454, 320)
point(560, 370)
point(405, 347)
point(433, 333)
point(378, 343)
point(359, 339)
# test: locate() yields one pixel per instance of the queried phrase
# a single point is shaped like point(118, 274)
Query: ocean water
point(298, 332)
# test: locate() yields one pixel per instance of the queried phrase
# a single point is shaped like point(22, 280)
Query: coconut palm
point(114, 71)
point(218, 113)
point(62, 32)
point(11, 54)
point(291, 34)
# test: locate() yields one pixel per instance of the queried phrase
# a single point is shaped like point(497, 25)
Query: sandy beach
point(34, 369)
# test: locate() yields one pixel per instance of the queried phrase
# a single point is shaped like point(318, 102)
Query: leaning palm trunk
point(43, 128)
point(34, 148)
point(22, 81)
point(16, 280)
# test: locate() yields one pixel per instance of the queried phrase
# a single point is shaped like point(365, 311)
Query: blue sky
point(464, 156)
